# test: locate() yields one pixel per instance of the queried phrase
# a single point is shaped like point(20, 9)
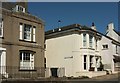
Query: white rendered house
point(110, 49)
point(75, 48)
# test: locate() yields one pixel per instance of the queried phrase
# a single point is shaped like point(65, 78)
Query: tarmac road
point(113, 78)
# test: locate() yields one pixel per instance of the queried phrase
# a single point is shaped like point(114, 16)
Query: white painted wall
point(107, 55)
point(58, 53)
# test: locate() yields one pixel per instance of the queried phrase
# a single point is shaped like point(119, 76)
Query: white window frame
point(20, 8)
point(34, 34)
point(21, 31)
point(26, 64)
point(27, 34)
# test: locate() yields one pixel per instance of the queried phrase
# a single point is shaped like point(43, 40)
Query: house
point(110, 49)
point(74, 48)
point(21, 42)
point(77, 50)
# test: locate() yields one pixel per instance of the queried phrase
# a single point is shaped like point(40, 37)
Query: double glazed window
point(26, 60)
point(1, 27)
point(27, 32)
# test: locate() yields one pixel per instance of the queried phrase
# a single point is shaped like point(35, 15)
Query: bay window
point(26, 60)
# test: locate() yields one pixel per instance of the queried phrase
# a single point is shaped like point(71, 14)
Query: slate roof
point(78, 27)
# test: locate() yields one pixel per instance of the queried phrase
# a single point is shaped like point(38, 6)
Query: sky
point(83, 13)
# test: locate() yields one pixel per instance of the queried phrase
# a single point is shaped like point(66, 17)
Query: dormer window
point(20, 8)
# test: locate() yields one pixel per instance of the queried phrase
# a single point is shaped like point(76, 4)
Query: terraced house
point(21, 41)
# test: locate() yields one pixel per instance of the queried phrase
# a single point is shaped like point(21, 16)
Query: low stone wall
point(91, 74)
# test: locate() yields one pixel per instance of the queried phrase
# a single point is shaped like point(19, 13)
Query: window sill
point(27, 41)
point(105, 49)
point(87, 48)
point(91, 48)
point(1, 37)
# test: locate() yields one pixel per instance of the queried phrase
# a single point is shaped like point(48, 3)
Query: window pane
point(20, 55)
point(90, 40)
point(84, 39)
point(85, 66)
point(27, 32)
point(85, 58)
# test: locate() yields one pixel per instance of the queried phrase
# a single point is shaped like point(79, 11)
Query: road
point(113, 78)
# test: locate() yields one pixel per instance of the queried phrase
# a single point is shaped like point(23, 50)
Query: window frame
point(27, 32)
point(105, 46)
point(24, 59)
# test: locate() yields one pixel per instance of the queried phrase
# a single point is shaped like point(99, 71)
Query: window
point(26, 60)
point(20, 8)
point(1, 27)
point(90, 41)
point(116, 49)
point(27, 32)
point(85, 62)
point(105, 46)
point(91, 61)
point(45, 62)
point(84, 40)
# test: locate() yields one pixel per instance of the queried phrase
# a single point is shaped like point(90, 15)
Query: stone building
point(21, 41)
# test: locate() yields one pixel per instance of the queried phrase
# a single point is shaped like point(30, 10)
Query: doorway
point(54, 72)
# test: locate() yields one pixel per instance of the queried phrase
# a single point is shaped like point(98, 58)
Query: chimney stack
point(93, 26)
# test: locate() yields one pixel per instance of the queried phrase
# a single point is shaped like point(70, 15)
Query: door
point(54, 72)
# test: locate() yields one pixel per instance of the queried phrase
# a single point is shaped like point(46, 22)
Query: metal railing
point(13, 72)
